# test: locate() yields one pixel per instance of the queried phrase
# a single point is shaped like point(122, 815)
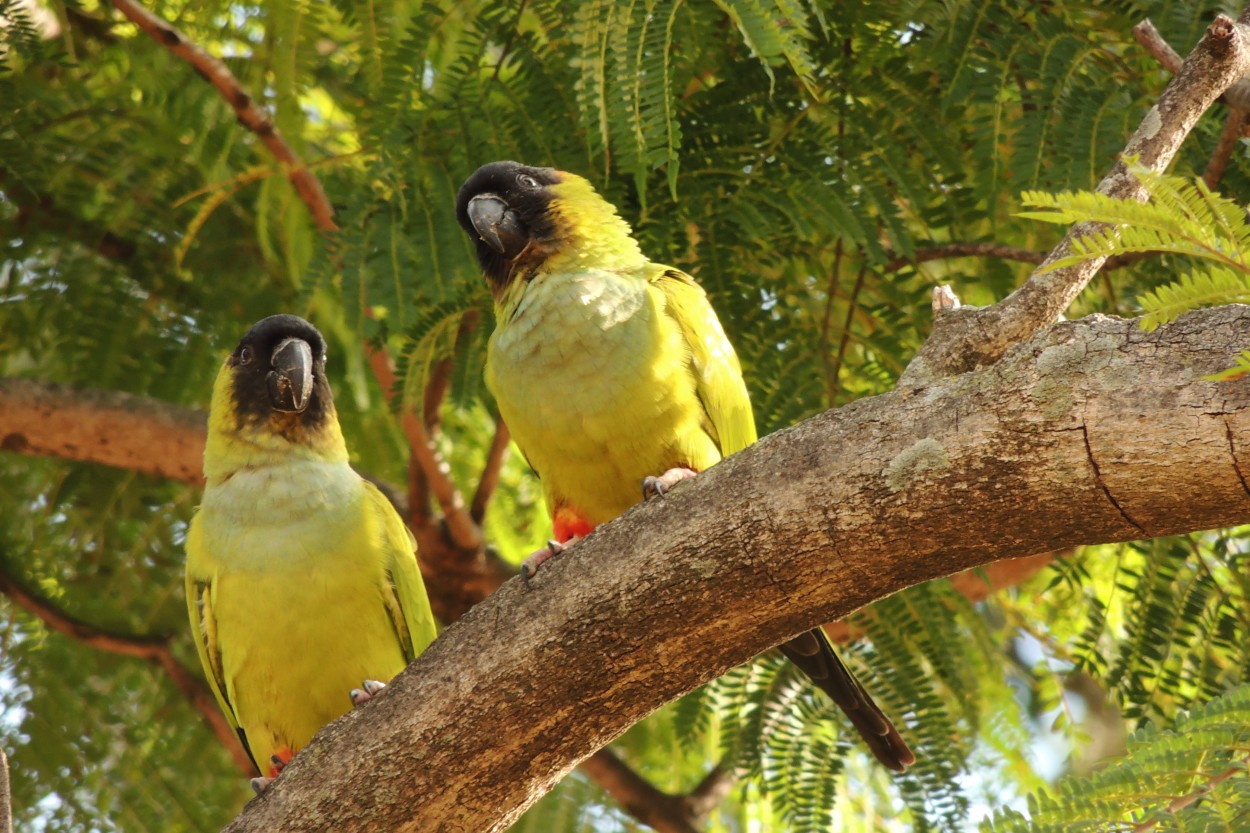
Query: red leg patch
point(283, 754)
point(568, 524)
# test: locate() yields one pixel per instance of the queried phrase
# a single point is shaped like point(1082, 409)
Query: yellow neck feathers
point(593, 234)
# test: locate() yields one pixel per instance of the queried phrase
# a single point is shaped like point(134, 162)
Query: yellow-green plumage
point(610, 369)
point(301, 578)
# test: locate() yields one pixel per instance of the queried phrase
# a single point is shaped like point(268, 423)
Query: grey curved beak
point(496, 224)
point(291, 380)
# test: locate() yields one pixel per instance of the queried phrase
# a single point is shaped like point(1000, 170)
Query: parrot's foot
point(277, 763)
point(530, 565)
point(365, 693)
point(657, 486)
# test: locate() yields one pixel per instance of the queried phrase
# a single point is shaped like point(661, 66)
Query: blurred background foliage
point(801, 159)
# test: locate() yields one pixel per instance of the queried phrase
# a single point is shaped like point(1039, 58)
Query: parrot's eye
point(246, 355)
point(527, 181)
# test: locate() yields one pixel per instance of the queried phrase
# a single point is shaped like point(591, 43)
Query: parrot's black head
point(505, 208)
point(278, 375)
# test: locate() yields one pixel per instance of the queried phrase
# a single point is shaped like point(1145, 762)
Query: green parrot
point(657, 391)
point(301, 577)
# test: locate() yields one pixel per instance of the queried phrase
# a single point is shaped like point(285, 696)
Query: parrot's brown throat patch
point(505, 208)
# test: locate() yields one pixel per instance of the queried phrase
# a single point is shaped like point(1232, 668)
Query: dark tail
point(815, 657)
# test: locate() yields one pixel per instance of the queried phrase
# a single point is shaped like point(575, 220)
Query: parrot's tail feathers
point(815, 657)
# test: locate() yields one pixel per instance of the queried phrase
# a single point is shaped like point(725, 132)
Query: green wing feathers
point(199, 593)
point(407, 601)
point(718, 373)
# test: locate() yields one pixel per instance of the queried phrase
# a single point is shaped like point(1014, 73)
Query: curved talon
point(362, 695)
point(261, 784)
point(536, 559)
point(658, 486)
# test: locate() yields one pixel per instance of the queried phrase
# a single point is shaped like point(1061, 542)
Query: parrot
point(301, 577)
point(658, 393)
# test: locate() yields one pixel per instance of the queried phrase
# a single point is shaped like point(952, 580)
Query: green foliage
point(1182, 217)
point(790, 154)
point(1189, 777)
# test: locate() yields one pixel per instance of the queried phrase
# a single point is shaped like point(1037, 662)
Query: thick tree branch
point(159, 438)
point(1094, 431)
point(251, 115)
point(99, 426)
point(153, 649)
point(970, 337)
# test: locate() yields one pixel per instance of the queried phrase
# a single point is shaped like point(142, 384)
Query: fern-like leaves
point(1183, 217)
point(1189, 777)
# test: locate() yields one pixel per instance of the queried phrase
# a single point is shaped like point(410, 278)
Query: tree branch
point(953, 250)
point(465, 534)
point(153, 649)
point(6, 796)
point(658, 810)
point(970, 337)
point(160, 438)
point(440, 376)
point(495, 457)
point(711, 791)
point(1093, 432)
point(1236, 96)
point(99, 426)
point(1234, 124)
point(250, 114)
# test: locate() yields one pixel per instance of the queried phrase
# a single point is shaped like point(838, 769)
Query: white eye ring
point(246, 355)
point(527, 181)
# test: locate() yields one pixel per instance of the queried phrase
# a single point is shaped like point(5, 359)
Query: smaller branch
point(420, 513)
point(835, 381)
point(970, 337)
point(6, 796)
point(495, 457)
point(710, 792)
point(464, 533)
point(657, 809)
point(152, 649)
point(1224, 148)
point(831, 370)
point(1236, 96)
point(440, 376)
point(250, 114)
point(1181, 802)
point(953, 250)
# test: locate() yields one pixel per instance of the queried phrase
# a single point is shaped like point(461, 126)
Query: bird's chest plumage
point(297, 567)
point(594, 380)
point(287, 514)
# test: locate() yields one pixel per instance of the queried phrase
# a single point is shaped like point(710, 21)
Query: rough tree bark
point(1093, 431)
